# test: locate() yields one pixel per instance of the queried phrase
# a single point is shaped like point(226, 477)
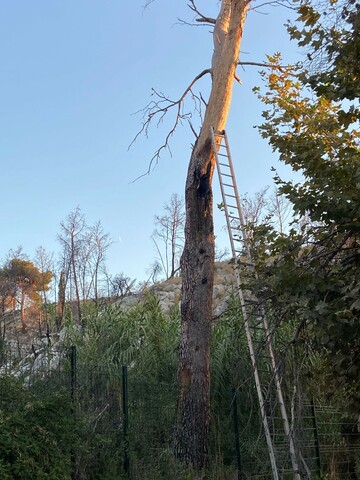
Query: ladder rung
point(231, 206)
point(224, 165)
point(228, 195)
point(260, 357)
point(259, 325)
point(222, 155)
point(262, 342)
point(226, 175)
point(235, 218)
point(228, 185)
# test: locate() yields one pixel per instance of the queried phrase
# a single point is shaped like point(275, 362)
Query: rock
point(169, 292)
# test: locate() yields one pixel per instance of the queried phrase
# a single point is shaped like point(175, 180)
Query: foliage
point(312, 274)
point(26, 278)
point(147, 341)
point(330, 33)
point(33, 442)
point(20, 282)
point(141, 337)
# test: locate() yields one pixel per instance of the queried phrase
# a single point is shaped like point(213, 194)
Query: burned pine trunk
point(197, 265)
point(197, 262)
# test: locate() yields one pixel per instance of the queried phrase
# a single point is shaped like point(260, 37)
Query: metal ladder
point(256, 323)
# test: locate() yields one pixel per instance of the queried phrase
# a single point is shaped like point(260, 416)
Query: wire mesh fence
point(124, 425)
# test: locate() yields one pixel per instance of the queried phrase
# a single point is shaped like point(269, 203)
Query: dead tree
point(197, 262)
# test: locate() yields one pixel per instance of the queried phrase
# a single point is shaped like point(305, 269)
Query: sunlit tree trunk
point(197, 262)
point(22, 310)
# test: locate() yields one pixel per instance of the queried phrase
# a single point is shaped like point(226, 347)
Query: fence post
point(125, 417)
point(236, 432)
point(73, 403)
point(316, 437)
point(73, 372)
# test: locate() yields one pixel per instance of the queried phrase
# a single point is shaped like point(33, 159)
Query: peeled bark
point(197, 263)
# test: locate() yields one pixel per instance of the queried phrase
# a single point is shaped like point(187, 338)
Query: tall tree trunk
point(22, 311)
point(76, 283)
point(60, 309)
point(96, 283)
point(197, 261)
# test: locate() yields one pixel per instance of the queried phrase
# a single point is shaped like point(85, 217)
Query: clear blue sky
point(72, 73)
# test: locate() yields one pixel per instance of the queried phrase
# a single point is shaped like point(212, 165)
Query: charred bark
point(197, 263)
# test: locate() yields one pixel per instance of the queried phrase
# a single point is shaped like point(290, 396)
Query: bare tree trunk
point(60, 310)
point(22, 312)
point(3, 326)
point(198, 257)
point(77, 291)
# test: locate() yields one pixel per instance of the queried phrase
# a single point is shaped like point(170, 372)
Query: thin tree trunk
point(197, 261)
point(96, 284)
point(22, 312)
point(76, 283)
point(3, 327)
point(60, 309)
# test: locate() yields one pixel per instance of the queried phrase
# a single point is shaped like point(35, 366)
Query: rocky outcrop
point(169, 291)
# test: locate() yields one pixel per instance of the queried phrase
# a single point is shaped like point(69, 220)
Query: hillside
point(168, 293)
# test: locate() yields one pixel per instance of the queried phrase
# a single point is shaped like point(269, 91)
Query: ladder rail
point(286, 425)
point(247, 329)
point(246, 241)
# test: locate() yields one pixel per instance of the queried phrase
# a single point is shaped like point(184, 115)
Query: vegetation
point(307, 279)
point(79, 408)
point(22, 281)
point(312, 274)
point(37, 432)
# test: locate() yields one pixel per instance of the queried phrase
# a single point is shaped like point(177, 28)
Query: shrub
point(36, 433)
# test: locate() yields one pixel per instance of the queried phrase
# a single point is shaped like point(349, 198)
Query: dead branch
point(202, 21)
point(147, 3)
point(157, 109)
point(238, 79)
point(203, 100)
point(180, 21)
point(192, 129)
point(282, 68)
point(275, 3)
point(202, 18)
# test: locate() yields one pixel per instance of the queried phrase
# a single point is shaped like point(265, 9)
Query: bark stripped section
point(197, 262)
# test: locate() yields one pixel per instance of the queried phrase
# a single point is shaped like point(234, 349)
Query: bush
point(36, 433)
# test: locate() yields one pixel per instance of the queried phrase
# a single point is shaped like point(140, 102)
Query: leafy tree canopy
point(330, 32)
point(26, 277)
point(311, 275)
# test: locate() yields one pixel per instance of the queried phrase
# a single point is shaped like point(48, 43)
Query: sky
point(73, 74)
